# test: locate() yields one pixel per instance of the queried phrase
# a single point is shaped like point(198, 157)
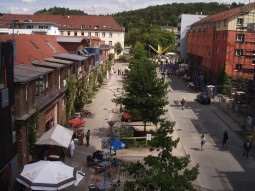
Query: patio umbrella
point(116, 144)
point(47, 175)
point(76, 122)
point(58, 136)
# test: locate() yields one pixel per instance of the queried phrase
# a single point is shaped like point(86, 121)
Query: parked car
point(129, 118)
point(203, 98)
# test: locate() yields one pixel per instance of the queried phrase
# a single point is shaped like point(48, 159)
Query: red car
point(128, 117)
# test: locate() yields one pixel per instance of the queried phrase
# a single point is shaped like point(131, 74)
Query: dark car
point(128, 118)
point(203, 98)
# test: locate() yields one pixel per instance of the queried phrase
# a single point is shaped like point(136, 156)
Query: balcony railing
point(48, 96)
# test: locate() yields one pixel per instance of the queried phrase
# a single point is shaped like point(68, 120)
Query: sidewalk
point(220, 168)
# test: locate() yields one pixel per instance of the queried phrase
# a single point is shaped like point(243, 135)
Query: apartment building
point(103, 27)
point(184, 22)
point(224, 39)
point(8, 141)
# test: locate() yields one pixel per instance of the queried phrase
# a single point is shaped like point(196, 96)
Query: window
point(96, 34)
point(218, 24)
point(240, 22)
point(225, 23)
point(89, 33)
point(103, 34)
point(110, 34)
point(240, 37)
point(41, 84)
point(82, 33)
point(110, 43)
point(30, 26)
point(68, 33)
point(35, 45)
point(51, 46)
point(238, 52)
point(75, 33)
point(224, 36)
point(82, 26)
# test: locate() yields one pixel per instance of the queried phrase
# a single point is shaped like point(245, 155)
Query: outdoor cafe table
point(104, 185)
point(104, 164)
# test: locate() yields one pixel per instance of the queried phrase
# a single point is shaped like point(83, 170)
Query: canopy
point(116, 144)
point(59, 136)
point(47, 175)
point(76, 122)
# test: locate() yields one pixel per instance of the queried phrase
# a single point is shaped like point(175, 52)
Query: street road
point(220, 168)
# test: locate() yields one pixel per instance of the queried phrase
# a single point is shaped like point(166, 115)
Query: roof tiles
point(34, 47)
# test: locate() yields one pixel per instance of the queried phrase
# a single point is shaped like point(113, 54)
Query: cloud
point(28, 1)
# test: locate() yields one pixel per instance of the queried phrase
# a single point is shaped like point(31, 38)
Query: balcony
point(41, 31)
point(47, 97)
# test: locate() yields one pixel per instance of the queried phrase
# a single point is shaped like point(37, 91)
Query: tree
point(224, 82)
point(164, 171)
point(145, 93)
point(118, 48)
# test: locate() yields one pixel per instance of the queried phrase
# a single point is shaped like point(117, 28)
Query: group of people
point(247, 144)
point(72, 145)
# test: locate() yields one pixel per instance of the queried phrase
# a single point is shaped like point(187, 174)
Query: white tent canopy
point(47, 175)
point(58, 136)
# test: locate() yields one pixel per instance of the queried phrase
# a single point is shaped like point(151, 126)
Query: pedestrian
point(183, 102)
point(250, 139)
point(225, 138)
point(246, 147)
point(87, 137)
point(71, 148)
point(202, 142)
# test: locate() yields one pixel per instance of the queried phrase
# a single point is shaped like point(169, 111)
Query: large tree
point(164, 171)
point(145, 93)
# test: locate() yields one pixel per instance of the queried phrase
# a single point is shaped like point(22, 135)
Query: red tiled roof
point(72, 22)
point(26, 51)
point(225, 14)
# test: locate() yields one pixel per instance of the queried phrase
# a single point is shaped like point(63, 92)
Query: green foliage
point(70, 94)
point(81, 96)
point(32, 136)
point(126, 131)
point(124, 58)
point(111, 56)
point(224, 81)
point(165, 171)
point(59, 11)
point(118, 48)
point(145, 93)
point(167, 14)
point(100, 78)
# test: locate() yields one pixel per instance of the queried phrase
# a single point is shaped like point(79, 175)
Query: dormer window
point(96, 27)
point(82, 26)
point(110, 27)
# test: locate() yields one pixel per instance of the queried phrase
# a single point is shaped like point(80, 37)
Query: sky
point(92, 7)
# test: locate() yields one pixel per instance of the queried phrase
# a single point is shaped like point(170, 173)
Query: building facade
point(103, 27)
point(8, 141)
point(224, 40)
point(184, 22)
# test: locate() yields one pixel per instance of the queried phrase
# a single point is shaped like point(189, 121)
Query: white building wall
point(184, 22)
point(52, 30)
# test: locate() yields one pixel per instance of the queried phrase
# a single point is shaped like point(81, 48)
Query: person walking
point(202, 142)
point(71, 148)
point(246, 147)
point(225, 138)
point(183, 102)
point(87, 137)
